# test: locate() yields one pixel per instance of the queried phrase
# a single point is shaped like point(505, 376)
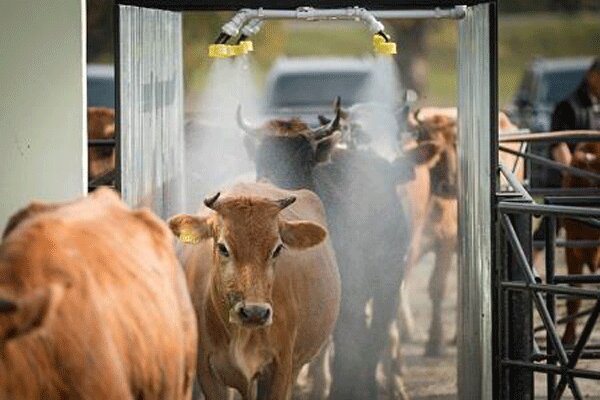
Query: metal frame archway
point(149, 104)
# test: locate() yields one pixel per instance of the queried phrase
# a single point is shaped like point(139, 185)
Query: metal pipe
point(552, 137)
point(242, 17)
point(514, 183)
point(578, 373)
point(553, 164)
point(457, 12)
point(542, 209)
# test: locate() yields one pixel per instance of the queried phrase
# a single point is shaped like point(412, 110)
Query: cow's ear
point(190, 229)
point(301, 234)
point(324, 147)
point(423, 153)
point(29, 313)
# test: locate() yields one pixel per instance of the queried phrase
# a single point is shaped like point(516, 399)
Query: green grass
point(521, 38)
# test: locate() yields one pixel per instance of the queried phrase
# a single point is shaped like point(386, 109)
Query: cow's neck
point(245, 349)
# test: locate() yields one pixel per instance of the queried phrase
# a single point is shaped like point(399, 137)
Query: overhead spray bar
point(247, 22)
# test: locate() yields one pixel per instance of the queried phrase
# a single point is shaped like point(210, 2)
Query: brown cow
point(587, 157)
point(265, 286)
point(431, 201)
point(93, 305)
point(101, 125)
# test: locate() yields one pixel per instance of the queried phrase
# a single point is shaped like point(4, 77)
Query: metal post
point(550, 231)
point(520, 314)
point(477, 126)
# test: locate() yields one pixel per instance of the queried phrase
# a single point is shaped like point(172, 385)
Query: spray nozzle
point(382, 44)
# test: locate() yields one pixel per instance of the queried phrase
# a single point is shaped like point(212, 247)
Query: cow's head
point(435, 147)
point(286, 151)
point(248, 238)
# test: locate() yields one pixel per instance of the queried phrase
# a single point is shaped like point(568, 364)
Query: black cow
point(367, 226)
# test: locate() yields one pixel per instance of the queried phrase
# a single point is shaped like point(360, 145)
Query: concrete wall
point(42, 103)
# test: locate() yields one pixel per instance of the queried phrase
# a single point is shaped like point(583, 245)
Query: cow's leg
point(574, 267)
point(413, 255)
point(282, 378)
point(437, 290)
point(356, 354)
point(212, 387)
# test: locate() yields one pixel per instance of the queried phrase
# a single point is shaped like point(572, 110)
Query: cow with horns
point(93, 305)
point(367, 228)
point(431, 200)
point(264, 284)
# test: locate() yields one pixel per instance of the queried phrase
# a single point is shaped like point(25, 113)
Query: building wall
point(43, 153)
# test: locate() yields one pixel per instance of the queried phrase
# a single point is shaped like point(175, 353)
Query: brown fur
point(102, 307)
point(290, 128)
point(101, 125)
point(302, 285)
point(587, 157)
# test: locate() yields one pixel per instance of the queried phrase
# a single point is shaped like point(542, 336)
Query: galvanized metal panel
point(151, 108)
point(474, 207)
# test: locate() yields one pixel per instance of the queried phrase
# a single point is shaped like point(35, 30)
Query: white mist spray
point(215, 153)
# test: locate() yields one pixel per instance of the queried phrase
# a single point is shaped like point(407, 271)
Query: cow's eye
point(223, 249)
point(277, 250)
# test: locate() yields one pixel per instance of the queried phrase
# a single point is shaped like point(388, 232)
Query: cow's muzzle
point(252, 314)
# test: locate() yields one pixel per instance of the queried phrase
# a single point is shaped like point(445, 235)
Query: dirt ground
point(428, 378)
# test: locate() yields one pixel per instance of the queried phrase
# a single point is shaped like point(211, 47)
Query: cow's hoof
point(434, 349)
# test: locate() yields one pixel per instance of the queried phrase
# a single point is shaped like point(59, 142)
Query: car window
point(316, 89)
point(101, 92)
point(558, 85)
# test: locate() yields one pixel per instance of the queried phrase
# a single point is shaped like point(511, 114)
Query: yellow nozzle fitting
point(247, 45)
point(237, 50)
point(219, 51)
point(380, 46)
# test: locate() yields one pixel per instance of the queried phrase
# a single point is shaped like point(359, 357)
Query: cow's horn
point(332, 126)
point(245, 125)
point(283, 203)
point(210, 201)
point(7, 306)
point(416, 115)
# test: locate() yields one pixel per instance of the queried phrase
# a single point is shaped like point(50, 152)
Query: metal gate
point(523, 349)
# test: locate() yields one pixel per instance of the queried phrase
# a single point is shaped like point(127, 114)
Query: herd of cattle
point(281, 276)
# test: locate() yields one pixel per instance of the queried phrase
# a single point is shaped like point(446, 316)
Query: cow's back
point(124, 327)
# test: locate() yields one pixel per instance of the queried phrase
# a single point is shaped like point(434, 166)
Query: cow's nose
point(255, 314)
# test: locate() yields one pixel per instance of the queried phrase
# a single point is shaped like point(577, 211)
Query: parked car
point(100, 85)
point(545, 83)
point(306, 86)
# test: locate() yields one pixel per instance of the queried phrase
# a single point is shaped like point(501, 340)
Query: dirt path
point(435, 378)
point(426, 377)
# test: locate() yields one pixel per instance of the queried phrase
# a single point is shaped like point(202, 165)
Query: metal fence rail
point(521, 290)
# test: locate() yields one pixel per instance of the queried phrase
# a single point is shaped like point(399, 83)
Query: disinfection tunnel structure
point(148, 66)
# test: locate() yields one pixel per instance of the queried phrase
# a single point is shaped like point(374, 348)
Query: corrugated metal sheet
point(474, 207)
point(151, 112)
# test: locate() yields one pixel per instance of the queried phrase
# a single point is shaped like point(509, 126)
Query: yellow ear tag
point(189, 237)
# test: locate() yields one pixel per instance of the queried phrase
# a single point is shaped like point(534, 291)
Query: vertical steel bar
point(117, 69)
point(521, 314)
point(550, 231)
point(476, 176)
